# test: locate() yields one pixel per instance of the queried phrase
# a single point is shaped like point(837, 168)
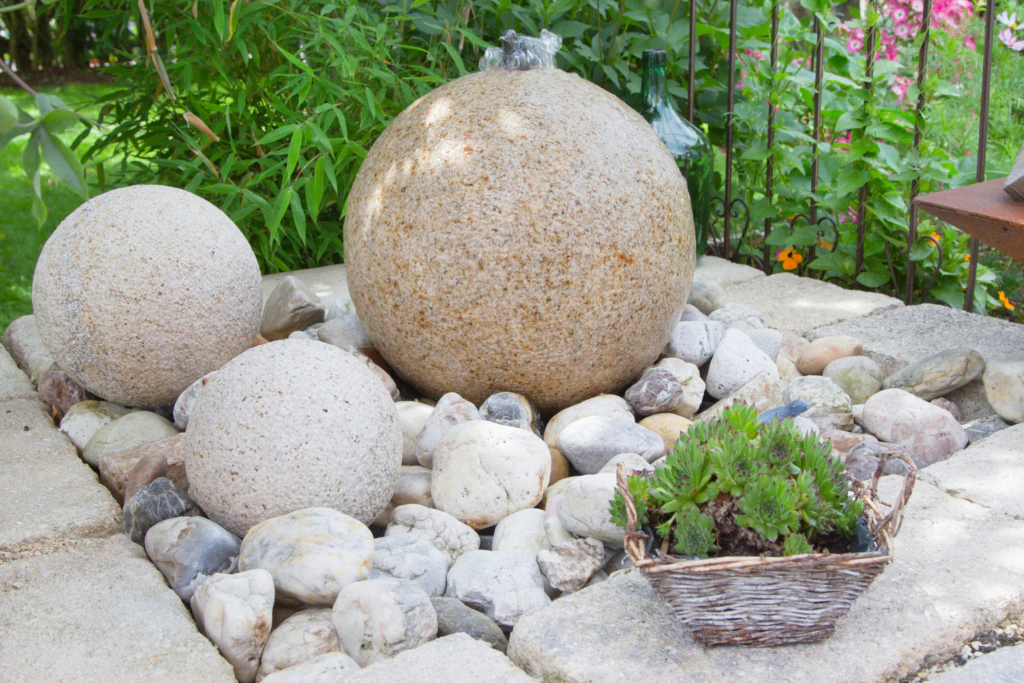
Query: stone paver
point(989, 473)
point(902, 336)
point(22, 341)
point(1005, 665)
point(47, 494)
point(99, 611)
point(958, 570)
point(457, 658)
point(800, 304)
point(13, 382)
point(722, 272)
point(330, 283)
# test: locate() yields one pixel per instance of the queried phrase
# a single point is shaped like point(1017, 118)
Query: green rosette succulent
point(769, 508)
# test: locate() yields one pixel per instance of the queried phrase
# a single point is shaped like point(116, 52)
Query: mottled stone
point(166, 456)
point(949, 406)
point(736, 362)
point(605, 405)
point(564, 273)
point(657, 391)
point(188, 550)
point(829, 406)
point(329, 668)
point(448, 534)
point(127, 432)
point(484, 471)
point(591, 442)
point(450, 410)
point(148, 469)
point(858, 376)
point(292, 306)
point(85, 418)
point(21, 339)
point(292, 425)
point(1004, 389)
point(453, 616)
point(688, 375)
point(667, 426)
point(345, 330)
point(379, 618)
point(938, 375)
point(411, 557)
point(695, 342)
point(504, 586)
point(158, 501)
point(521, 532)
point(412, 416)
point(928, 431)
point(569, 566)
point(584, 508)
point(235, 612)
point(738, 316)
point(819, 353)
point(512, 410)
point(978, 430)
point(188, 289)
point(707, 297)
point(299, 638)
point(187, 399)
point(763, 393)
point(58, 390)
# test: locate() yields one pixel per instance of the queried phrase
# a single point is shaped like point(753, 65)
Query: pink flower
point(756, 54)
point(902, 31)
point(1010, 40)
point(969, 43)
point(917, 6)
point(854, 45)
point(899, 15)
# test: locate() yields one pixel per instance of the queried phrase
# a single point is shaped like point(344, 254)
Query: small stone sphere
point(143, 290)
point(291, 425)
point(519, 231)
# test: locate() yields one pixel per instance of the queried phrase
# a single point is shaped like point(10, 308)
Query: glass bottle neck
point(652, 88)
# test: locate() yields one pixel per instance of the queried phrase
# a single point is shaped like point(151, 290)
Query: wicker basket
point(769, 601)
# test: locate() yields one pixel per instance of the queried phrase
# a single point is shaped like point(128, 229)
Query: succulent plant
point(769, 508)
point(796, 544)
point(694, 533)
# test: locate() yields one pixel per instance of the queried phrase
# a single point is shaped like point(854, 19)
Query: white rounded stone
point(521, 532)
point(382, 617)
point(829, 406)
point(585, 509)
point(411, 557)
point(127, 431)
point(736, 361)
point(235, 611)
point(85, 418)
point(450, 410)
point(926, 430)
point(302, 636)
point(605, 405)
point(484, 471)
point(448, 534)
point(329, 668)
point(312, 554)
point(292, 425)
point(413, 487)
point(695, 342)
point(143, 290)
point(412, 415)
point(591, 442)
point(504, 586)
point(688, 375)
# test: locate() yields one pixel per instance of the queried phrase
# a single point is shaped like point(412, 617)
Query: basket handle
point(892, 522)
point(635, 542)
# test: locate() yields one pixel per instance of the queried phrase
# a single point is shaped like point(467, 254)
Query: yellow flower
point(824, 243)
point(789, 259)
point(967, 258)
point(935, 237)
point(1004, 301)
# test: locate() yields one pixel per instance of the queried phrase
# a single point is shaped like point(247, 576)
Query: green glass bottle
point(687, 143)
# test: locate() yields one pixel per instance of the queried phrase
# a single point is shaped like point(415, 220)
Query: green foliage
point(731, 475)
point(796, 544)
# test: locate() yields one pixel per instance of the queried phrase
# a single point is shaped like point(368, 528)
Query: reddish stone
point(59, 391)
point(147, 469)
point(116, 467)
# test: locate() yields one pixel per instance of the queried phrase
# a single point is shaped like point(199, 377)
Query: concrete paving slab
point(13, 382)
point(22, 341)
point(457, 658)
point(47, 494)
point(330, 283)
point(989, 473)
point(902, 336)
point(958, 570)
point(724, 273)
point(800, 304)
point(99, 611)
point(1005, 665)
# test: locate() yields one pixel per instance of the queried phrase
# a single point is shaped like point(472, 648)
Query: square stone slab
point(47, 494)
point(896, 338)
point(330, 283)
point(1005, 665)
point(22, 341)
point(958, 570)
point(989, 473)
point(13, 382)
point(800, 304)
point(451, 659)
point(99, 611)
point(722, 272)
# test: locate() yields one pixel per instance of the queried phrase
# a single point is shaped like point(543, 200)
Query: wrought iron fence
point(733, 212)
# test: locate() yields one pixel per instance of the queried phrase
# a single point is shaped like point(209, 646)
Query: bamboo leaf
point(201, 126)
point(8, 115)
point(299, 217)
point(63, 162)
point(294, 148)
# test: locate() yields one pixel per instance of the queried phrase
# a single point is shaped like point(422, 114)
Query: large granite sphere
point(143, 290)
point(519, 231)
point(291, 425)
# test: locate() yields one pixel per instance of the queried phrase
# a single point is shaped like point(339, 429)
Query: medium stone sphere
point(143, 290)
point(519, 231)
point(291, 425)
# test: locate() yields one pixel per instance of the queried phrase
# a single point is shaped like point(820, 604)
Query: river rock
point(521, 532)
point(413, 487)
point(843, 441)
point(512, 410)
point(928, 431)
point(605, 405)
point(380, 373)
point(188, 550)
point(117, 468)
point(858, 376)
point(412, 416)
point(816, 356)
point(290, 307)
point(345, 330)
point(688, 375)
point(448, 534)
point(862, 460)
point(707, 297)
point(411, 557)
point(805, 426)
point(739, 316)
point(985, 427)
point(632, 461)
point(736, 362)
point(695, 342)
point(484, 471)
point(158, 501)
point(59, 390)
point(127, 432)
point(187, 399)
point(766, 339)
point(559, 466)
point(792, 346)
point(584, 508)
point(667, 426)
point(830, 407)
point(569, 566)
point(949, 406)
point(453, 616)
point(21, 339)
point(938, 375)
point(381, 617)
point(148, 469)
point(591, 442)
point(312, 554)
point(763, 393)
point(691, 314)
point(292, 425)
point(504, 586)
point(450, 410)
point(299, 638)
point(657, 391)
point(329, 668)
point(1004, 389)
point(235, 611)
point(85, 418)
point(555, 531)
